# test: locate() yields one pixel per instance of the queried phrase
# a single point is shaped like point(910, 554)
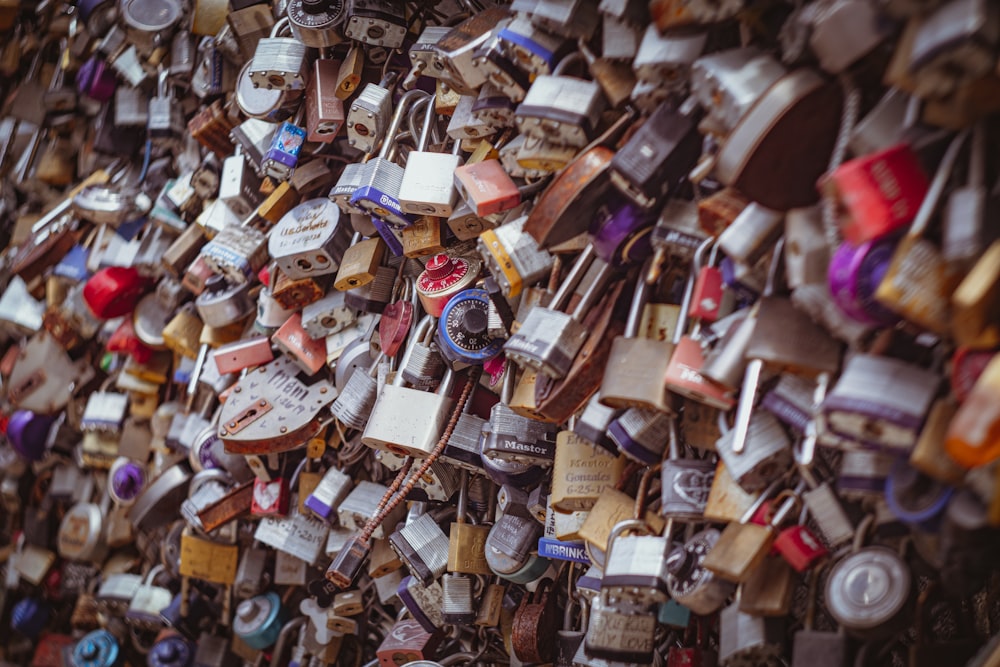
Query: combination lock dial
point(443, 278)
point(462, 329)
point(315, 22)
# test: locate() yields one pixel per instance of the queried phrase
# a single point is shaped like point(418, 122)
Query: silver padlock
point(279, 62)
point(562, 109)
point(309, 240)
point(423, 548)
point(368, 117)
point(376, 22)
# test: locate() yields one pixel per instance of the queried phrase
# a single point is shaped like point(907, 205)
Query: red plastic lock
point(114, 290)
point(881, 192)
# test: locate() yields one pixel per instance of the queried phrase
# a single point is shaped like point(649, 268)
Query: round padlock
point(149, 319)
point(97, 649)
point(867, 592)
point(28, 433)
point(171, 651)
point(259, 619)
point(29, 617)
point(126, 480)
point(81, 534)
point(462, 336)
point(855, 273)
point(443, 278)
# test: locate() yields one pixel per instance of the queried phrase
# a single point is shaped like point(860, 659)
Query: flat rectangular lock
point(368, 118)
point(328, 316)
point(239, 186)
point(309, 240)
point(486, 187)
point(360, 505)
point(324, 110)
point(560, 108)
point(329, 494)
point(309, 354)
point(423, 547)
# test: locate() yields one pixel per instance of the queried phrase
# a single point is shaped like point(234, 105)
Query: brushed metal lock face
point(368, 118)
point(328, 315)
point(271, 410)
point(279, 62)
point(310, 240)
point(324, 110)
point(728, 82)
point(562, 109)
point(376, 22)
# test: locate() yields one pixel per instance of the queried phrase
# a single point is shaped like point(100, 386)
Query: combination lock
point(314, 22)
point(462, 329)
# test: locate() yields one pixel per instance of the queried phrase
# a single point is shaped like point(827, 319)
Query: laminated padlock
point(368, 118)
point(279, 62)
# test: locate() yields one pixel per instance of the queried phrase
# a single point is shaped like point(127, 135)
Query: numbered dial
point(443, 278)
point(314, 22)
point(97, 649)
point(462, 329)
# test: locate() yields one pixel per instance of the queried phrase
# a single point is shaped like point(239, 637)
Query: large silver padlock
point(309, 240)
point(368, 117)
point(561, 109)
point(279, 62)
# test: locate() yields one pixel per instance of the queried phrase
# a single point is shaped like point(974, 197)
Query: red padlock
point(125, 340)
point(114, 290)
point(292, 339)
point(881, 192)
point(683, 376)
point(800, 547)
point(270, 498)
point(693, 654)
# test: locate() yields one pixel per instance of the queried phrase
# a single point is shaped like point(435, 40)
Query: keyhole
point(246, 417)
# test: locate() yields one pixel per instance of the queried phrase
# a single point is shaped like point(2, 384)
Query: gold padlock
point(768, 590)
point(349, 75)
point(929, 455)
point(423, 237)
point(467, 549)
point(581, 473)
point(611, 508)
point(383, 559)
point(360, 264)
point(182, 335)
point(279, 202)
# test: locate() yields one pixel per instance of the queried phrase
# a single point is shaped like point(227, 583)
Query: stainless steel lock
point(424, 603)
point(423, 548)
point(351, 178)
point(454, 51)
point(512, 257)
point(665, 59)
point(357, 398)
point(425, 366)
point(309, 240)
point(573, 18)
point(880, 402)
point(383, 178)
point(549, 339)
point(560, 108)
point(324, 110)
point(254, 137)
point(768, 452)
point(315, 24)
point(529, 48)
point(368, 118)
point(131, 107)
point(458, 599)
point(376, 22)
point(165, 119)
point(516, 439)
point(464, 124)
point(279, 62)
point(728, 82)
point(237, 252)
point(251, 575)
point(635, 568)
point(223, 303)
point(239, 186)
point(502, 74)
point(619, 38)
point(428, 187)
point(328, 315)
point(423, 52)
point(620, 632)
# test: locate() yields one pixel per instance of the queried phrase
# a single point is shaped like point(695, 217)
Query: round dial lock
point(97, 649)
point(689, 583)
point(867, 590)
point(314, 22)
point(462, 329)
point(443, 278)
point(171, 651)
point(150, 22)
point(258, 620)
point(127, 479)
point(271, 104)
point(855, 273)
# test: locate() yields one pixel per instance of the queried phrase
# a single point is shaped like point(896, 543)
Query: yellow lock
point(209, 561)
point(581, 473)
point(467, 549)
point(182, 335)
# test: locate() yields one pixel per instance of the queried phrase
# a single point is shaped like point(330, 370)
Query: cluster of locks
point(568, 332)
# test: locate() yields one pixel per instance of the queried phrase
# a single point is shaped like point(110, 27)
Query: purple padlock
point(127, 480)
point(855, 273)
point(96, 80)
point(621, 233)
point(28, 433)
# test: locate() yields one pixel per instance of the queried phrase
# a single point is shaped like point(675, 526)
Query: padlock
point(408, 642)
point(427, 187)
point(635, 568)
point(757, 640)
point(368, 118)
point(222, 303)
point(423, 548)
point(375, 22)
point(165, 119)
point(560, 108)
point(239, 187)
point(620, 632)
point(324, 110)
point(237, 252)
point(513, 438)
point(534, 50)
point(508, 549)
point(689, 583)
point(309, 240)
point(512, 257)
point(282, 154)
point(422, 54)
point(766, 456)
point(553, 353)
point(419, 437)
point(972, 303)
point(860, 408)
point(443, 278)
point(862, 611)
point(259, 619)
point(279, 62)
point(454, 52)
point(462, 332)
point(534, 625)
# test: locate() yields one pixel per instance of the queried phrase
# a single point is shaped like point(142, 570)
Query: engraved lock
point(534, 625)
point(657, 158)
point(427, 187)
point(509, 437)
point(686, 483)
point(423, 548)
point(549, 339)
point(279, 62)
point(863, 408)
point(309, 240)
point(620, 632)
point(512, 257)
point(560, 108)
point(633, 376)
point(635, 568)
point(324, 110)
point(368, 118)
point(508, 549)
point(423, 602)
point(244, 425)
point(581, 473)
point(165, 118)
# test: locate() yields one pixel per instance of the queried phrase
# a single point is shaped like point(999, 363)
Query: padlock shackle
point(640, 297)
point(621, 527)
point(936, 189)
point(389, 142)
point(594, 292)
point(425, 128)
point(279, 25)
point(573, 278)
point(428, 321)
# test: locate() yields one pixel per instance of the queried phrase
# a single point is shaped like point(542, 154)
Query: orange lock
point(486, 187)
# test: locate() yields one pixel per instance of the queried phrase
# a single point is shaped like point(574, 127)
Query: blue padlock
point(259, 619)
point(97, 649)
